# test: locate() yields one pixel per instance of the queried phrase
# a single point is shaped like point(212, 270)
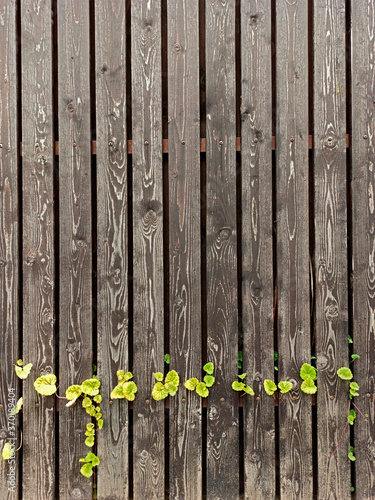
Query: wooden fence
point(193, 177)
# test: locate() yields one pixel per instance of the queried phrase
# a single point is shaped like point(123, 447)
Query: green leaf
point(90, 441)
point(98, 416)
point(98, 398)
point(120, 375)
point(312, 357)
point(308, 386)
point(86, 402)
point(90, 386)
point(307, 371)
point(351, 454)
point(159, 392)
point(275, 356)
point(167, 358)
point(7, 451)
point(269, 387)
point(239, 365)
point(46, 384)
point(238, 386)
point(100, 423)
point(129, 390)
point(285, 386)
point(355, 356)
point(117, 393)
point(354, 386)
point(350, 340)
point(172, 378)
point(345, 373)
point(240, 356)
point(159, 376)
point(249, 390)
point(209, 368)
point(202, 390)
point(351, 417)
point(23, 373)
point(86, 470)
point(17, 408)
point(172, 390)
point(90, 457)
point(128, 376)
point(91, 410)
point(353, 393)
point(19, 362)
point(242, 376)
point(209, 380)
point(352, 488)
point(276, 369)
point(191, 384)
point(73, 392)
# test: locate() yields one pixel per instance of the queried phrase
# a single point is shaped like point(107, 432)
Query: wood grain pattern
point(185, 467)
point(257, 269)
point(330, 245)
point(293, 245)
point(112, 241)
point(9, 246)
point(75, 236)
point(38, 265)
point(363, 239)
point(148, 329)
point(222, 313)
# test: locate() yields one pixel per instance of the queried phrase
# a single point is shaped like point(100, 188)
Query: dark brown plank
point(148, 329)
point(75, 236)
point(185, 467)
point(38, 263)
point(222, 313)
point(112, 241)
point(363, 239)
point(293, 286)
point(9, 237)
point(331, 306)
point(257, 271)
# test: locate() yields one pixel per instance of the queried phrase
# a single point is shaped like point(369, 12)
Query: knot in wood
point(2, 263)
point(213, 413)
point(70, 107)
point(254, 19)
point(331, 141)
point(177, 47)
point(30, 259)
point(176, 249)
point(225, 233)
point(144, 455)
point(332, 312)
point(81, 243)
point(150, 218)
point(255, 456)
point(77, 493)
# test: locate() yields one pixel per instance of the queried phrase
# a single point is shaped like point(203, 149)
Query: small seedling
point(167, 388)
point(91, 460)
point(351, 456)
point(242, 387)
point(240, 359)
point(22, 372)
point(126, 388)
point(308, 375)
point(167, 359)
point(201, 388)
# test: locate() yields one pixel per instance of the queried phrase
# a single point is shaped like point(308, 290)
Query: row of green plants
point(88, 395)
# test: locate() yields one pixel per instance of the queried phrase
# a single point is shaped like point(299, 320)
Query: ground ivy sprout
point(241, 386)
point(308, 375)
point(167, 386)
point(270, 387)
point(126, 388)
point(90, 460)
point(201, 388)
point(22, 372)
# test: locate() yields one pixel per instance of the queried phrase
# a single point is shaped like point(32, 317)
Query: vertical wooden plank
point(38, 262)
point(148, 330)
point(112, 241)
point(184, 245)
point(363, 238)
point(293, 245)
point(75, 235)
point(9, 233)
point(257, 227)
point(222, 314)
point(331, 311)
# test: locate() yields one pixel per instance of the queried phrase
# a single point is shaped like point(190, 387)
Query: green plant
point(91, 460)
point(308, 375)
point(201, 388)
point(126, 388)
point(351, 454)
point(242, 387)
point(270, 387)
point(165, 387)
point(167, 358)
point(22, 372)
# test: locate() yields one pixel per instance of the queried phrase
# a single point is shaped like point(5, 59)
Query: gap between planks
point(203, 145)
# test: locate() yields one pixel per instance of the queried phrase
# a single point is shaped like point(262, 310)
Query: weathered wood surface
point(38, 259)
point(256, 248)
point(331, 291)
point(363, 239)
point(75, 252)
point(148, 327)
point(221, 248)
point(112, 241)
point(185, 428)
point(9, 246)
point(292, 219)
